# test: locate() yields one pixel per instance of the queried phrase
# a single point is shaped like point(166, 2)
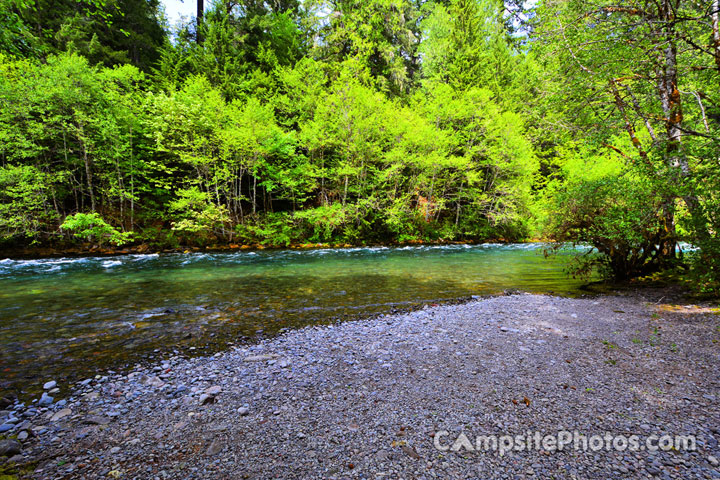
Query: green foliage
point(15, 37)
point(377, 121)
point(240, 51)
point(377, 39)
point(273, 229)
point(24, 202)
point(91, 226)
point(599, 202)
point(606, 83)
point(325, 222)
point(107, 32)
point(467, 46)
point(195, 213)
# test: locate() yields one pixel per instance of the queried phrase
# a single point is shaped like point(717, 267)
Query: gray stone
point(713, 461)
point(653, 470)
point(22, 436)
point(179, 390)
point(45, 400)
point(61, 414)
point(214, 390)
point(243, 411)
point(50, 385)
point(96, 420)
point(261, 358)
point(6, 427)
point(215, 447)
point(152, 382)
point(8, 448)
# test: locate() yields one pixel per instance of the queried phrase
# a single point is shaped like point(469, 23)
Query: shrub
point(622, 217)
point(91, 226)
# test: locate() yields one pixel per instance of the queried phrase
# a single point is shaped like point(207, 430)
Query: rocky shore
point(389, 397)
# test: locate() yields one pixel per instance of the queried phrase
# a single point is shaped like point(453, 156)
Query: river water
point(65, 318)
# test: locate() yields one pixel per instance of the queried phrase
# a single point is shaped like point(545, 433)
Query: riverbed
point(66, 318)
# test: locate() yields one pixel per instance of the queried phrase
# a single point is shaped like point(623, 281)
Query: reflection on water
point(62, 318)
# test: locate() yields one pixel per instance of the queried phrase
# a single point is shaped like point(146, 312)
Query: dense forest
point(348, 122)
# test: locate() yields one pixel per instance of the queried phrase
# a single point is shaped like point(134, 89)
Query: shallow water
point(63, 318)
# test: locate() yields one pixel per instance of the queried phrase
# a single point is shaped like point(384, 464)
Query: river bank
point(85, 250)
point(367, 399)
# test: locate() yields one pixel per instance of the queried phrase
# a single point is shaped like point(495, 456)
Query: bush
point(24, 201)
point(272, 229)
point(197, 217)
point(91, 226)
point(622, 217)
point(324, 221)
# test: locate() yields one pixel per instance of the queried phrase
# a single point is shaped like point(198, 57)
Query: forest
point(359, 122)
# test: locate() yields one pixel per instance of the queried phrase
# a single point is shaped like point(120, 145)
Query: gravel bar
point(370, 399)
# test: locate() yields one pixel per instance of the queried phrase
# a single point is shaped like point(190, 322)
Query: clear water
point(64, 318)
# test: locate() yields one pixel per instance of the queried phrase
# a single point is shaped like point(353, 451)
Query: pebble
point(96, 420)
point(713, 461)
point(214, 390)
point(61, 414)
point(45, 400)
point(216, 446)
point(260, 358)
point(50, 385)
point(358, 386)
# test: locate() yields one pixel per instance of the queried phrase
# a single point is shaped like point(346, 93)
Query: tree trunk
point(88, 175)
point(254, 194)
point(200, 11)
point(716, 31)
point(132, 185)
point(345, 191)
point(672, 109)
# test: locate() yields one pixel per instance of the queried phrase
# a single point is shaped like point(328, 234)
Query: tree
point(74, 123)
point(639, 68)
point(466, 46)
point(106, 32)
point(379, 37)
point(242, 45)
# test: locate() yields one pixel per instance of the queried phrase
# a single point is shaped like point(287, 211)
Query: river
point(66, 318)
